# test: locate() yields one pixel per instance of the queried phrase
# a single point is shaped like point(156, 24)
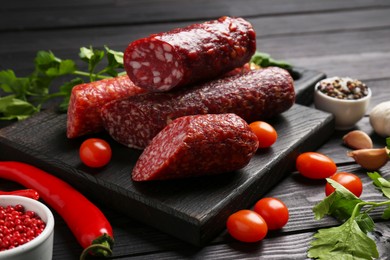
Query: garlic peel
point(370, 159)
point(380, 119)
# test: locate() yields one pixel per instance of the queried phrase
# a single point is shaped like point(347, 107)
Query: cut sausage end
point(197, 145)
point(87, 99)
point(153, 65)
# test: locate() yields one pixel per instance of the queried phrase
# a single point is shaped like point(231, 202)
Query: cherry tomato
point(349, 180)
point(265, 133)
point(273, 211)
point(247, 226)
point(95, 152)
point(315, 165)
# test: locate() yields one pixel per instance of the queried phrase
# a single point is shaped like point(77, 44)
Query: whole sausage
point(197, 145)
point(87, 99)
point(195, 53)
point(254, 95)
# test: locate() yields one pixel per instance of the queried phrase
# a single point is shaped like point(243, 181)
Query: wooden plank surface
point(47, 14)
point(348, 37)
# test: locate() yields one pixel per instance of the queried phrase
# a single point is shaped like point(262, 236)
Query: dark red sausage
point(186, 55)
point(87, 99)
point(255, 95)
point(197, 145)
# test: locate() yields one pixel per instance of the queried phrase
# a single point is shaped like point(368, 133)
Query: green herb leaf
point(385, 187)
point(115, 58)
point(9, 83)
point(64, 67)
point(339, 204)
point(347, 241)
point(45, 60)
point(264, 60)
point(386, 213)
point(38, 85)
point(365, 222)
point(66, 90)
point(92, 57)
point(381, 183)
point(115, 61)
point(374, 177)
point(29, 93)
point(14, 108)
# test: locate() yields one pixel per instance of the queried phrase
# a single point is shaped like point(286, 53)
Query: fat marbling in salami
point(195, 53)
point(197, 145)
point(87, 99)
point(254, 95)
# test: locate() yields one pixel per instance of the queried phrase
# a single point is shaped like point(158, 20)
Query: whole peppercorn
point(343, 88)
point(18, 226)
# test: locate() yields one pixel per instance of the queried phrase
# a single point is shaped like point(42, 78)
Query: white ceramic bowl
point(41, 247)
point(346, 112)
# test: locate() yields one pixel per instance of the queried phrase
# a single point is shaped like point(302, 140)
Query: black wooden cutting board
point(194, 210)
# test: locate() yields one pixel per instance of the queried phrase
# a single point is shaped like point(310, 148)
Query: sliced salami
point(254, 95)
point(197, 145)
point(187, 55)
point(87, 99)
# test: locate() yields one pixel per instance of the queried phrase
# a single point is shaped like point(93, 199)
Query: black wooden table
point(338, 38)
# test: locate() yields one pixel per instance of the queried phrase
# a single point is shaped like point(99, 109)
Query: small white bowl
point(347, 112)
point(41, 247)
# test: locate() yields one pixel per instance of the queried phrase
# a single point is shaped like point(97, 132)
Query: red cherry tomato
point(246, 226)
point(95, 152)
point(350, 181)
point(265, 133)
point(273, 211)
point(315, 165)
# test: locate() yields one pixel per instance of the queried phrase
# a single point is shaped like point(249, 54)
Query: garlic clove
point(370, 159)
point(357, 139)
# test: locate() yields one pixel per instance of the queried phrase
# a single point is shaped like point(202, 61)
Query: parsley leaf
point(339, 204)
point(28, 94)
point(381, 183)
point(347, 241)
point(9, 83)
point(365, 222)
point(115, 61)
point(92, 57)
point(386, 213)
point(264, 60)
point(65, 91)
point(14, 108)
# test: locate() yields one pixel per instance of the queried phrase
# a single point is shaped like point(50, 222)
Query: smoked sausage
point(197, 145)
point(254, 95)
point(86, 100)
point(183, 56)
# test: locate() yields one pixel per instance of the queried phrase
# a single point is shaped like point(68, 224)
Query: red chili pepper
point(29, 193)
point(88, 224)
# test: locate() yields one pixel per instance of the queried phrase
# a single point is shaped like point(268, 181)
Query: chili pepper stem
point(103, 249)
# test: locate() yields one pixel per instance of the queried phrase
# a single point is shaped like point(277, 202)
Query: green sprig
point(349, 240)
point(24, 96)
point(265, 60)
